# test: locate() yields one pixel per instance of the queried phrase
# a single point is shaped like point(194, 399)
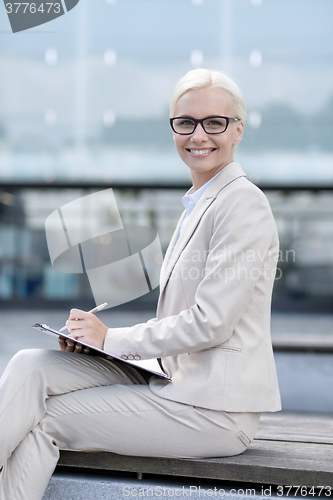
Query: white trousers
point(51, 399)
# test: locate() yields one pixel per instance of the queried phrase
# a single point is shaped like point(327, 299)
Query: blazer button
point(130, 356)
point(124, 356)
point(137, 357)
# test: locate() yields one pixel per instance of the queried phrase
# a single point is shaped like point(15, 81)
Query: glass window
point(86, 96)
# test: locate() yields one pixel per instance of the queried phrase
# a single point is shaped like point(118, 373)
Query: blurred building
point(84, 100)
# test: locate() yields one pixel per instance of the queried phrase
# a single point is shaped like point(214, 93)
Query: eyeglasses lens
point(211, 125)
point(215, 125)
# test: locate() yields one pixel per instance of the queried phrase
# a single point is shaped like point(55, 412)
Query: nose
point(199, 135)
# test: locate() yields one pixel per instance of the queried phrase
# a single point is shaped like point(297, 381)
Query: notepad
point(148, 365)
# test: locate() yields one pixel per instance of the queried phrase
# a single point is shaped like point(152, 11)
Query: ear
point(239, 132)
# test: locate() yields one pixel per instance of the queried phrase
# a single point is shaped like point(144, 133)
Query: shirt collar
point(193, 197)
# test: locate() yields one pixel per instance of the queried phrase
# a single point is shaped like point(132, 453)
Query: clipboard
point(147, 365)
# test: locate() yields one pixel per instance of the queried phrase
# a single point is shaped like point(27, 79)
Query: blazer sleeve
point(242, 243)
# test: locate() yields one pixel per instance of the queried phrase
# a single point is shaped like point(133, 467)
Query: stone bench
point(289, 449)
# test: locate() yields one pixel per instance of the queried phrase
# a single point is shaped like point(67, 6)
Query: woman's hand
point(71, 346)
point(86, 327)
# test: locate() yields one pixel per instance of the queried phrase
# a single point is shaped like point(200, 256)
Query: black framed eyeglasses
point(186, 125)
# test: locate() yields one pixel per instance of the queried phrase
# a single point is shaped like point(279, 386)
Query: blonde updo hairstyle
point(203, 78)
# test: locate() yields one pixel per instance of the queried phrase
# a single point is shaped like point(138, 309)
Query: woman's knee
point(29, 360)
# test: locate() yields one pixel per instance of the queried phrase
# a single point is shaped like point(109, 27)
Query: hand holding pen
point(92, 311)
point(84, 326)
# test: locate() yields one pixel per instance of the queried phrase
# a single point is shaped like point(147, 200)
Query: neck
point(200, 178)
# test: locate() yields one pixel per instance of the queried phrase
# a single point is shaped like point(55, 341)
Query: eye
point(214, 123)
point(185, 123)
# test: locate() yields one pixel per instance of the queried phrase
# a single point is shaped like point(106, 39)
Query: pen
point(92, 311)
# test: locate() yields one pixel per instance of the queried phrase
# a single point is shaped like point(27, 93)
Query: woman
point(212, 328)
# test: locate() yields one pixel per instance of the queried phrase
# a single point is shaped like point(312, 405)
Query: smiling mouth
point(201, 152)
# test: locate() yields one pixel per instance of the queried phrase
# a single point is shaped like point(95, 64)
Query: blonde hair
point(203, 78)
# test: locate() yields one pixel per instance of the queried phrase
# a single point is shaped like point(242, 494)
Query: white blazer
point(212, 328)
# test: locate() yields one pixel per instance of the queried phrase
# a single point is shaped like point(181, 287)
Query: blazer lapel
point(170, 248)
point(178, 244)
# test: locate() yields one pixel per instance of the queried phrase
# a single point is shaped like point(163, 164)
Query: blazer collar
point(178, 244)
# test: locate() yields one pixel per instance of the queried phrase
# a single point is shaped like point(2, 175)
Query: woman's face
point(206, 154)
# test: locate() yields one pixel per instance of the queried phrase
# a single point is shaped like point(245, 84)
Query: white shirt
point(190, 199)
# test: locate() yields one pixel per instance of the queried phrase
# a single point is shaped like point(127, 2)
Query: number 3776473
point(32, 8)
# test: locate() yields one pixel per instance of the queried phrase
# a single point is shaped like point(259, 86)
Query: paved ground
point(78, 486)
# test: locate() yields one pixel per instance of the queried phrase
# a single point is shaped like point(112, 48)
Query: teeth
point(201, 151)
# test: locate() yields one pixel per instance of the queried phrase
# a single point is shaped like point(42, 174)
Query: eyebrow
point(208, 116)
